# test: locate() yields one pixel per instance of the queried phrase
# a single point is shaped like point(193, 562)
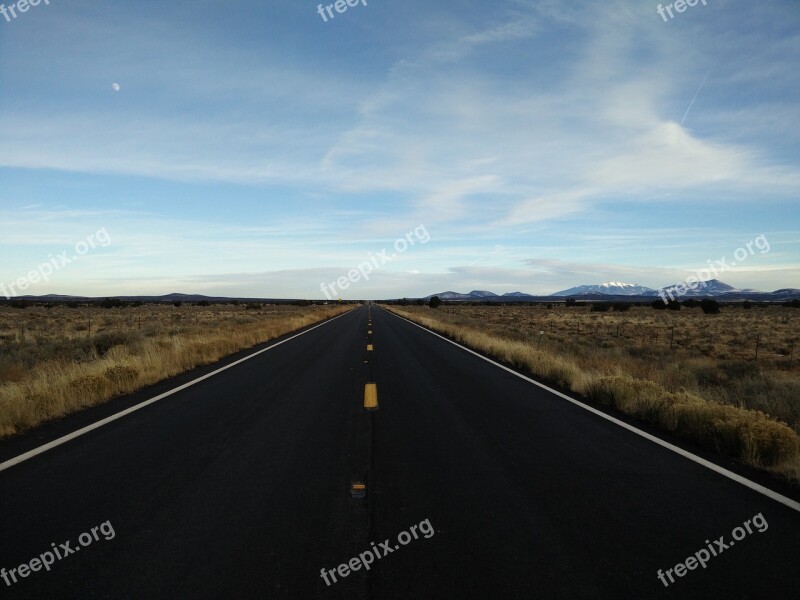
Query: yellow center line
point(371, 396)
point(369, 347)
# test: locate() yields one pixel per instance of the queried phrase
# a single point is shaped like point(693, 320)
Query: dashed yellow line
point(369, 348)
point(371, 396)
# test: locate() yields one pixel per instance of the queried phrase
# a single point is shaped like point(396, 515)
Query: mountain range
point(712, 288)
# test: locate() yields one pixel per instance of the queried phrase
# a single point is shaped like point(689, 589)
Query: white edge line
point(701, 461)
point(75, 434)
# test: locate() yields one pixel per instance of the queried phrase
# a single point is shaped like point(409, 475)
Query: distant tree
point(747, 305)
point(709, 306)
point(674, 305)
point(793, 303)
point(420, 302)
point(177, 304)
point(203, 303)
point(111, 303)
point(621, 306)
point(570, 302)
point(658, 305)
point(601, 306)
point(435, 302)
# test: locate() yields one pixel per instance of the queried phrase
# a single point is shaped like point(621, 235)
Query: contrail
point(702, 83)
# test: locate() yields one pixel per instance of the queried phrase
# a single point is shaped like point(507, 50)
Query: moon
point(115, 86)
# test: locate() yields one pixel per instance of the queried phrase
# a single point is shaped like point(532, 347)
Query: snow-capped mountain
point(481, 294)
point(712, 287)
point(610, 288)
point(474, 295)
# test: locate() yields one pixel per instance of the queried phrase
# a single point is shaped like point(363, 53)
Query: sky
point(262, 149)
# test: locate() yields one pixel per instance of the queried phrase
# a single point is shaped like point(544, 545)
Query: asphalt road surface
point(476, 484)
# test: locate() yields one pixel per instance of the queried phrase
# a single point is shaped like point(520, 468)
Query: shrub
point(710, 307)
point(111, 303)
point(103, 342)
point(708, 375)
point(740, 369)
point(88, 388)
point(121, 375)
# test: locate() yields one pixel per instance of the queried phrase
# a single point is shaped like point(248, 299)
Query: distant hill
point(174, 297)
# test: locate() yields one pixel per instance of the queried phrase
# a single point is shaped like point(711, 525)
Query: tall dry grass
point(749, 435)
point(50, 377)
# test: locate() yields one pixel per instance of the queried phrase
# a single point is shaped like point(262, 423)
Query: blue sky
point(254, 149)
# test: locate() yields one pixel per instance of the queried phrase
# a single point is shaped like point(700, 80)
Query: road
point(240, 486)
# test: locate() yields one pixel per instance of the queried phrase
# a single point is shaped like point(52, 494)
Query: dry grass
point(52, 363)
point(701, 382)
